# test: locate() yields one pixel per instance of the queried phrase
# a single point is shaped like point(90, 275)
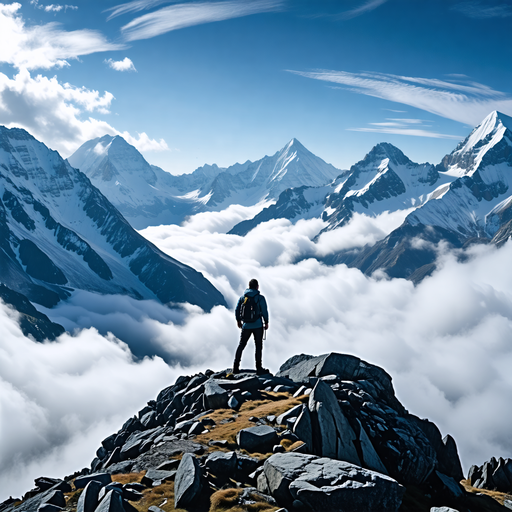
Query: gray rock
point(221, 464)
point(443, 509)
point(149, 420)
point(233, 402)
point(154, 477)
point(196, 428)
point(169, 465)
point(55, 497)
point(154, 508)
point(294, 411)
point(248, 494)
point(451, 486)
point(303, 429)
point(344, 366)
point(215, 397)
point(371, 459)
point(187, 484)
point(251, 384)
point(326, 484)
point(49, 507)
point(257, 439)
point(335, 436)
point(102, 478)
point(112, 502)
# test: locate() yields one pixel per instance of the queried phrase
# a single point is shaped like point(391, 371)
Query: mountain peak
point(470, 153)
point(386, 150)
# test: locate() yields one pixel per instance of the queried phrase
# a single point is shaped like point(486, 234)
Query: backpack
point(250, 310)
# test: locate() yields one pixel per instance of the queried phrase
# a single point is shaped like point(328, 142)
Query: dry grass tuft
point(228, 500)
point(128, 478)
point(271, 404)
point(500, 497)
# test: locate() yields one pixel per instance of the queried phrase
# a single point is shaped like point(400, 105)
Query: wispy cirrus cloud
point(175, 17)
point(135, 6)
point(485, 10)
point(399, 126)
point(463, 101)
point(362, 9)
point(121, 65)
point(47, 45)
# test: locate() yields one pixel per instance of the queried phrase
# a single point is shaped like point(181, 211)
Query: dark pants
point(258, 342)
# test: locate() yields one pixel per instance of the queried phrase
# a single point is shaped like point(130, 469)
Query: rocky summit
point(325, 433)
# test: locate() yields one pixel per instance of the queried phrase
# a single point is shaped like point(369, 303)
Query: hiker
point(252, 317)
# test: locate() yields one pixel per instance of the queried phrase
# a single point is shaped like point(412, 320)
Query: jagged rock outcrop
point(495, 474)
point(343, 437)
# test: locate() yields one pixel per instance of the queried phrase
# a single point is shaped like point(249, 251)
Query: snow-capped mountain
point(147, 195)
point(475, 207)
point(59, 233)
point(385, 180)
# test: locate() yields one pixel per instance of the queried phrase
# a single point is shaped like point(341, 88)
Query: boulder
point(215, 397)
point(221, 464)
point(44, 482)
point(49, 507)
point(332, 434)
point(259, 439)
point(55, 497)
point(324, 484)
point(154, 477)
point(293, 412)
point(187, 484)
point(88, 500)
point(303, 429)
point(112, 502)
point(344, 366)
point(102, 478)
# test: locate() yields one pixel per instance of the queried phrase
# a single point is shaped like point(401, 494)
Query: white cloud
point(180, 16)
point(466, 102)
point(484, 10)
point(53, 113)
point(405, 131)
point(121, 65)
point(368, 6)
point(135, 6)
point(446, 342)
point(60, 399)
point(44, 46)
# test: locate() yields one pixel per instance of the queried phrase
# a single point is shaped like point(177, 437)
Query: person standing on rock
point(252, 317)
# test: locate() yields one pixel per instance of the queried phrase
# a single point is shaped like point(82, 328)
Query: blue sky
point(191, 83)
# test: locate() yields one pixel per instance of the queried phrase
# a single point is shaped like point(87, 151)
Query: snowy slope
point(475, 207)
point(147, 195)
point(471, 206)
point(144, 194)
point(60, 233)
point(385, 180)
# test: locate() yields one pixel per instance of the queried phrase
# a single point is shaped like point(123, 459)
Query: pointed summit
point(485, 145)
point(385, 150)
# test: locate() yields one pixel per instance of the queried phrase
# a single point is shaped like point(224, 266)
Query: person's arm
point(237, 313)
point(264, 311)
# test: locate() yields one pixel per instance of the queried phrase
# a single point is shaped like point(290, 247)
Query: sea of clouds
point(447, 343)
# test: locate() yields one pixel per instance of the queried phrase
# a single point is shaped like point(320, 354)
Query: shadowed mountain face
point(59, 233)
point(146, 195)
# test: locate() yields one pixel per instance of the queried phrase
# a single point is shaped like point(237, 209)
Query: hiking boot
point(262, 371)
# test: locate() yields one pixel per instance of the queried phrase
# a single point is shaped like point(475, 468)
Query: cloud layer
point(446, 342)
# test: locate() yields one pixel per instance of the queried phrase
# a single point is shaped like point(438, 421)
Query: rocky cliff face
point(59, 233)
point(325, 433)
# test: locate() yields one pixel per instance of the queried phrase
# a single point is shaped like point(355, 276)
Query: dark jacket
point(262, 303)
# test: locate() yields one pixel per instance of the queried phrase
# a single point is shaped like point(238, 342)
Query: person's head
point(253, 284)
